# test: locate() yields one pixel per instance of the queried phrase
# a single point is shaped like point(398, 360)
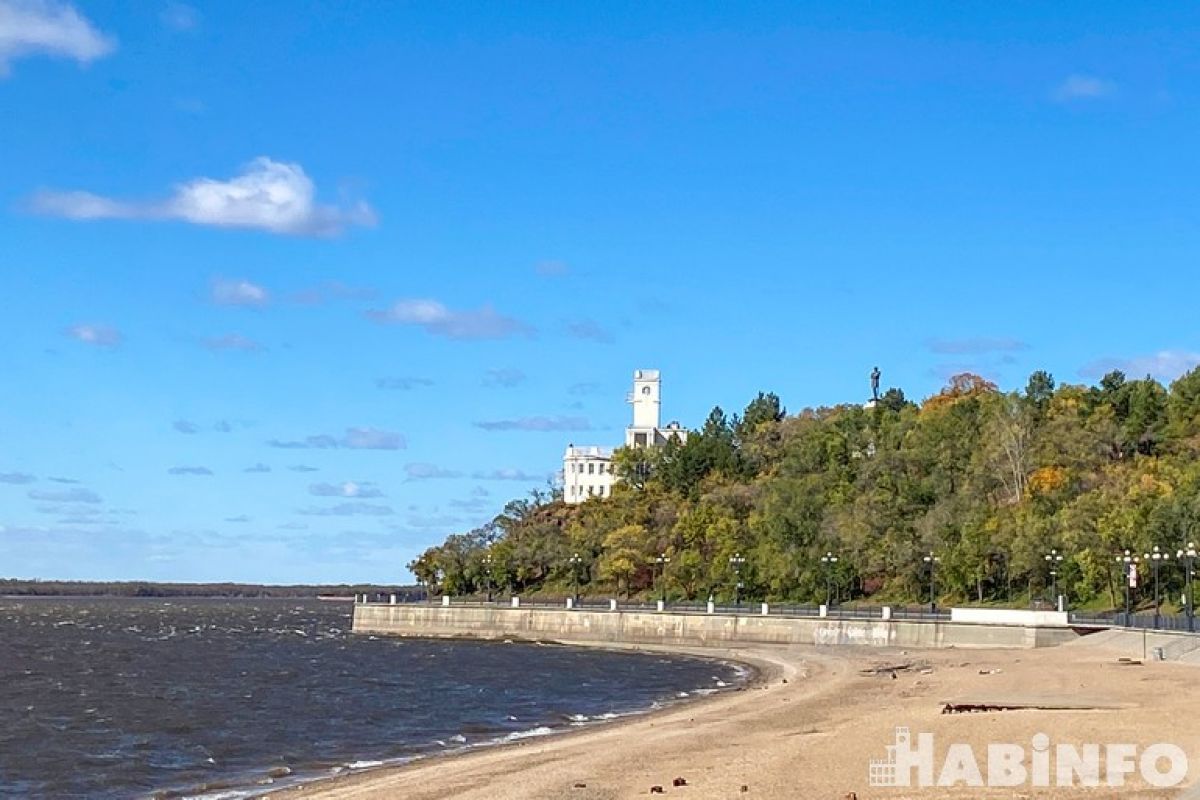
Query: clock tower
point(588, 471)
point(646, 399)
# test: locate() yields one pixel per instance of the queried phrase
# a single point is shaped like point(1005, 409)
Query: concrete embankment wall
point(647, 627)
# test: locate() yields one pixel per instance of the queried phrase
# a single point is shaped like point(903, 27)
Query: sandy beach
point(809, 727)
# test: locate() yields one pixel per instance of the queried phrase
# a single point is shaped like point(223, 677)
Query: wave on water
point(584, 719)
point(224, 700)
point(541, 730)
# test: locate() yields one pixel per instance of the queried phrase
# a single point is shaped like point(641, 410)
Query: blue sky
point(295, 290)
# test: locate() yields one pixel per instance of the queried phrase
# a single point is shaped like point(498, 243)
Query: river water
point(116, 698)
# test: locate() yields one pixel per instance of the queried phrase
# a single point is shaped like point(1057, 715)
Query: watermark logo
point(911, 762)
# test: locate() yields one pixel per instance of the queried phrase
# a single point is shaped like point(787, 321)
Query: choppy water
point(149, 698)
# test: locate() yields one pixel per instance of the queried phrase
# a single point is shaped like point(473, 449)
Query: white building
point(588, 471)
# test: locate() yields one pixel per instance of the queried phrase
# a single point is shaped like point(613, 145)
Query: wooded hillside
point(987, 482)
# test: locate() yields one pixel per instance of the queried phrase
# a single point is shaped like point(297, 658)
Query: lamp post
point(932, 561)
point(1000, 561)
point(662, 560)
point(575, 561)
point(1157, 557)
point(643, 472)
point(829, 560)
point(1129, 563)
point(1188, 556)
point(1054, 558)
point(487, 574)
point(736, 560)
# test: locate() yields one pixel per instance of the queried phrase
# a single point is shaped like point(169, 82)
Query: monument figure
point(875, 373)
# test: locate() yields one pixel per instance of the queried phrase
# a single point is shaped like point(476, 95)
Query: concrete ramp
point(1144, 644)
point(1104, 639)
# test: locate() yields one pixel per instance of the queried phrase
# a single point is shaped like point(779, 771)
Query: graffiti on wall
point(850, 633)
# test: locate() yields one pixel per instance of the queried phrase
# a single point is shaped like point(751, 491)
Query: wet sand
point(811, 725)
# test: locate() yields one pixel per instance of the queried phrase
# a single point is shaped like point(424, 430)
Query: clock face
point(646, 390)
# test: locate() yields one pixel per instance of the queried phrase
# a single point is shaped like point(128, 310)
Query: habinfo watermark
point(913, 761)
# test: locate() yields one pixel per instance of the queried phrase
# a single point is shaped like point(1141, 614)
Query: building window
point(639, 439)
point(591, 468)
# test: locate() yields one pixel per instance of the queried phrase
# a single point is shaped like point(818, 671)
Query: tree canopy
point(987, 481)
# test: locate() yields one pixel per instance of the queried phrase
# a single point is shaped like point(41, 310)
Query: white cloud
point(507, 474)
point(347, 489)
point(372, 439)
point(354, 439)
point(552, 269)
point(65, 496)
point(348, 510)
point(425, 472)
point(189, 471)
point(474, 504)
point(321, 441)
point(506, 377)
point(268, 195)
point(238, 293)
point(31, 27)
point(329, 291)
point(16, 477)
point(180, 17)
point(99, 335)
point(231, 341)
point(536, 424)
point(589, 329)
point(404, 384)
point(444, 521)
point(1083, 87)
point(976, 345)
point(583, 389)
point(1166, 365)
point(190, 105)
point(437, 319)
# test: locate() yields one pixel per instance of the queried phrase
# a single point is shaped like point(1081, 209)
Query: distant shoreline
point(322, 598)
point(17, 589)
